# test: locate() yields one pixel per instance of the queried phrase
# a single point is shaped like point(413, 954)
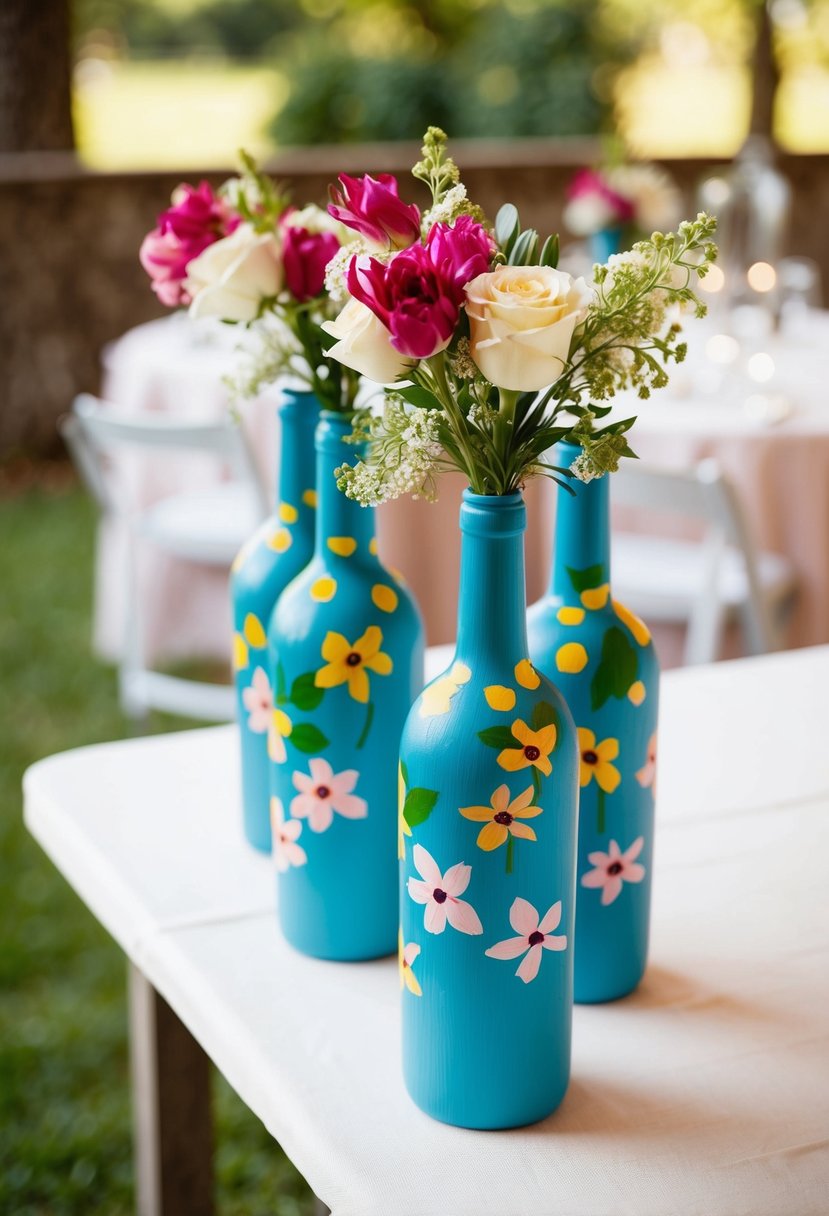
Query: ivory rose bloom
point(233, 276)
point(364, 344)
point(521, 322)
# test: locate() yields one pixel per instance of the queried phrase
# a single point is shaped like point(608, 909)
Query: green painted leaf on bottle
point(544, 715)
point(418, 806)
point(588, 578)
point(308, 738)
point(617, 670)
point(498, 736)
point(304, 693)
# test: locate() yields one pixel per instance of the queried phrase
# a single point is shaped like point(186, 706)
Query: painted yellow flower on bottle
point(347, 664)
point(596, 761)
point(532, 748)
point(501, 819)
point(406, 955)
point(279, 730)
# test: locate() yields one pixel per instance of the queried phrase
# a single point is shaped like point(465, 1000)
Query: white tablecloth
point(703, 1094)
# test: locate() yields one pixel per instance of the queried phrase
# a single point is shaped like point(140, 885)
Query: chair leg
point(132, 665)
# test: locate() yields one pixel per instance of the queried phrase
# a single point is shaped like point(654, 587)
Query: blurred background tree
point(675, 80)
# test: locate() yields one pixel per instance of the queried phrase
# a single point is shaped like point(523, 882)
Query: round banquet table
point(772, 440)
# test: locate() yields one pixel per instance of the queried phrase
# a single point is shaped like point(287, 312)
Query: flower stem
point(367, 727)
point(600, 804)
point(536, 783)
point(510, 852)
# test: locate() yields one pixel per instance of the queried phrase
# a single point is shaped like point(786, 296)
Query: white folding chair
point(702, 584)
point(205, 527)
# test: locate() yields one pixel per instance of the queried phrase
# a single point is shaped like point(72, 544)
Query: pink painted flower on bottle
point(614, 868)
point(534, 936)
point(305, 256)
point(258, 701)
point(285, 833)
point(197, 218)
point(372, 207)
point(325, 792)
point(646, 775)
point(439, 892)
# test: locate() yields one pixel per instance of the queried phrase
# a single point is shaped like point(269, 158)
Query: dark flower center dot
point(615, 868)
point(439, 896)
point(354, 659)
point(532, 752)
point(322, 791)
point(590, 757)
point(536, 938)
point(503, 817)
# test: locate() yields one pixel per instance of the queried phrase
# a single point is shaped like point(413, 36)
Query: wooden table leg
point(171, 1109)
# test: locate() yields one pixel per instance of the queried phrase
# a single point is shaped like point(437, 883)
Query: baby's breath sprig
point(436, 169)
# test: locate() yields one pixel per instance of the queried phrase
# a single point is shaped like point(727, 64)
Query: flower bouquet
point(497, 357)
point(614, 205)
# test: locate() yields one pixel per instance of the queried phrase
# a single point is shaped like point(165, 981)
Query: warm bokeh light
point(761, 277)
point(760, 367)
point(722, 348)
point(713, 282)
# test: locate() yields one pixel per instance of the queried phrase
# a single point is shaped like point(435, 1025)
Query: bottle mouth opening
point(493, 514)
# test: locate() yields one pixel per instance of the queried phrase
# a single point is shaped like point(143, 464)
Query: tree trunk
point(35, 72)
point(766, 76)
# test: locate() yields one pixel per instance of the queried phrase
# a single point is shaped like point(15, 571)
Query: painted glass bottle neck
point(338, 516)
point(492, 603)
point(582, 531)
point(298, 413)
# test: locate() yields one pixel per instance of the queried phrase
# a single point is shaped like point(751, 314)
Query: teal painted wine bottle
point(487, 838)
point(604, 661)
point(269, 560)
point(346, 655)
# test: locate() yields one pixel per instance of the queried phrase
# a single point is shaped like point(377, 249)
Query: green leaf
point(550, 252)
point(304, 693)
point(507, 226)
point(617, 669)
point(524, 249)
point(280, 684)
point(418, 806)
point(587, 579)
point(544, 715)
point(308, 738)
point(498, 736)
point(419, 397)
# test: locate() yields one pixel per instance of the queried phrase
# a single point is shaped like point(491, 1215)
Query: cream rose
point(232, 277)
point(364, 344)
point(521, 322)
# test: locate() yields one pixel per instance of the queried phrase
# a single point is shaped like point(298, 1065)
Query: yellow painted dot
point(570, 616)
point(280, 540)
point(460, 673)
point(596, 597)
point(638, 628)
point(282, 723)
point(309, 497)
point(324, 589)
point(383, 597)
point(499, 697)
point(287, 513)
point(526, 675)
point(372, 545)
point(343, 546)
point(255, 632)
point(240, 652)
point(636, 693)
point(571, 658)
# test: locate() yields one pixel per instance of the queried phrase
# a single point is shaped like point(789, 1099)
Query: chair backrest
point(705, 494)
point(95, 427)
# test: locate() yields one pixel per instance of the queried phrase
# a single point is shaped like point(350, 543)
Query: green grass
point(65, 1134)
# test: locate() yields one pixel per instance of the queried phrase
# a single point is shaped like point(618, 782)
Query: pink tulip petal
point(553, 942)
point(350, 806)
point(552, 918)
point(612, 889)
point(635, 849)
point(321, 772)
point(435, 919)
point(421, 892)
point(462, 916)
point(593, 878)
point(633, 872)
point(511, 948)
point(426, 866)
point(456, 879)
point(528, 967)
point(523, 917)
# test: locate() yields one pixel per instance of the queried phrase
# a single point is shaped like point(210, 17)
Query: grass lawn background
point(65, 1120)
